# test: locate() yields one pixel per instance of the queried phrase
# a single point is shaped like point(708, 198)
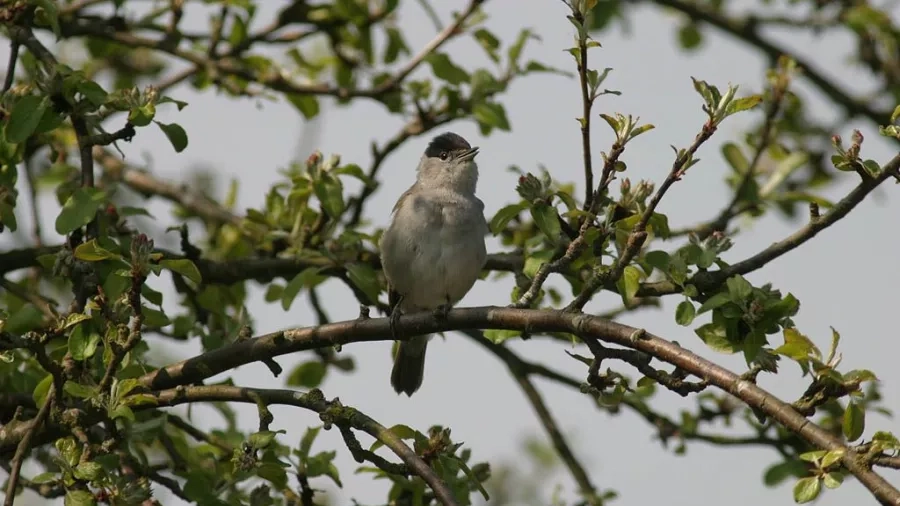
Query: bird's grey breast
point(442, 246)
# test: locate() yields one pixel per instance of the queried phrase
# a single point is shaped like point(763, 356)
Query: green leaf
point(330, 193)
point(168, 100)
point(689, 36)
point(91, 251)
point(89, 471)
point(308, 374)
point(308, 105)
point(814, 456)
point(353, 170)
point(833, 480)
point(49, 12)
point(184, 267)
point(488, 42)
point(8, 216)
point(25, 116)
point(79, 498)
point(860, 375)
point(504, 215)
point(535, 260)
point(796, 346)
point(262, 439)
point(709, 93)
point(307, 441)
point(492, 115)
point(79, 209)
point(45, 478)
point(395, 45)
point(743, 104)
point(83, 343)
point(807, 489)
point(273, 473)
point(322, 464)
point(133, 211)
point(832, 457)
point(122, 411)
point(238, 31)
point(74, 319)
point(739, 289)
point(547, 221)
point(154, 318)
point(630, 282)
point(497, 336)
point(515, 49)
point(79, 390)
point(753, 343)
point(41, 390)
point(684, 313)
point(69, 450)
point(716, 338)
point(143, 115)
point(445, 69)
point(782, 471)
point(92, 92)
point(399, 430)
point(658, 260)
point(735, 157)
point(472, 478)
point(782, 171)
point(177, 136)
point(307, 278)
point(364, 277)
point(854, 422)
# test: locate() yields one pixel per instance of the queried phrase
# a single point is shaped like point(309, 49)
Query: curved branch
point(535, 321)
point(314, 401)
point(586, 326)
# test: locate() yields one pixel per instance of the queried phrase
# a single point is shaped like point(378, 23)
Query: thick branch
point(586, 326)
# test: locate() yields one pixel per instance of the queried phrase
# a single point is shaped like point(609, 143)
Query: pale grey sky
point(844, 278)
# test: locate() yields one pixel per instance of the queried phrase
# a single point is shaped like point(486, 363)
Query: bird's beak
point(470, 154)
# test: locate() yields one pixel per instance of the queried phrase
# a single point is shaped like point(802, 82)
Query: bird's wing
point(393, 299)
point(402, 199)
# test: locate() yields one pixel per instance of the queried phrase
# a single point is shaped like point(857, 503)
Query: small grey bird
point(433, 250)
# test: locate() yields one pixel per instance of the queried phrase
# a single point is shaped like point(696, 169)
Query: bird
point(433, 251)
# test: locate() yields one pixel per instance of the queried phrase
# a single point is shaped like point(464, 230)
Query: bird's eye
point(444, 155)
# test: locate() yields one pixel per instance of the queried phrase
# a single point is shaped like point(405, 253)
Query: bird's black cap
point(448, 142)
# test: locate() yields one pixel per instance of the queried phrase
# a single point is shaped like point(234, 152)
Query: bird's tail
point(409, 365)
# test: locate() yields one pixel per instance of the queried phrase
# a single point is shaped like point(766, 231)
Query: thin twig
point(11, 67)
point(314, 401)
point(588, 491)
point(638, 235)
point(25, 446)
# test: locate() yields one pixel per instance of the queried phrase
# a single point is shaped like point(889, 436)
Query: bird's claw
point(440, 312)
point(393, 320)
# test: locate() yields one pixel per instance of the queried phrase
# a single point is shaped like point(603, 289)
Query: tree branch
point(588, 491)
point(25, 445)
point(747, 31)
point(330, 411)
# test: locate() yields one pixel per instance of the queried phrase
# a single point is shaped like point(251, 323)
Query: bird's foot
point(440, 312)
point(393, 320)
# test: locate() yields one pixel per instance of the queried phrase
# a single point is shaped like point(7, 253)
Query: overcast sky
point(845, 278)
